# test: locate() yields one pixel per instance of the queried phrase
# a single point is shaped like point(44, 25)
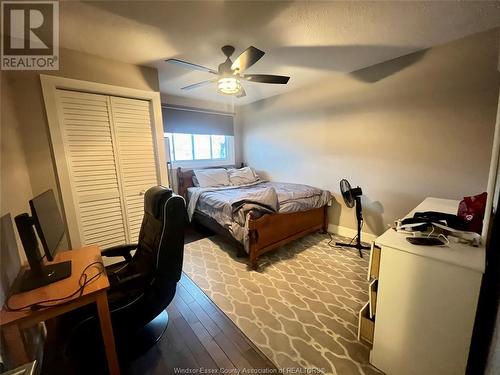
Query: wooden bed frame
point(266, 232)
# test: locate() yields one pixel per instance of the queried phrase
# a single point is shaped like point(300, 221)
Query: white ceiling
point(305, 40)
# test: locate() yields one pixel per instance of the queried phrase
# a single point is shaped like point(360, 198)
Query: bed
point(256, 227)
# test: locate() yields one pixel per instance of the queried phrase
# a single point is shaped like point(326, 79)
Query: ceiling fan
point(229, 73)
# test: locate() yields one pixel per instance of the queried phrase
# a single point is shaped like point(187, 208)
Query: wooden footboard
point(271, 231)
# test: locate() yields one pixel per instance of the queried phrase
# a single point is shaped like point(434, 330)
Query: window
point(197, 148)
point(198, 138)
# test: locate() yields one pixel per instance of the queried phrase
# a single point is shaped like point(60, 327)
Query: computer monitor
point(48, 222)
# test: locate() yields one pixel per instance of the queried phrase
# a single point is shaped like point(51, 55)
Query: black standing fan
point(352, 196)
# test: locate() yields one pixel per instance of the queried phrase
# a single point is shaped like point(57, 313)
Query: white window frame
point(229, 160)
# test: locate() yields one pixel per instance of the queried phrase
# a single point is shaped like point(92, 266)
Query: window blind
point(195, 121)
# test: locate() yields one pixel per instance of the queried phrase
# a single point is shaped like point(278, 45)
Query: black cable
point(334, 245)
point(352, 239)
point(360, 228)
point(82, 284)
point(331, 240)
point(350, 242)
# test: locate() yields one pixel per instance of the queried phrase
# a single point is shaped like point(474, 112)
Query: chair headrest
point(154, 200)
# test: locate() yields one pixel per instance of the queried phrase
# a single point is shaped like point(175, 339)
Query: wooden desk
point(12, 322)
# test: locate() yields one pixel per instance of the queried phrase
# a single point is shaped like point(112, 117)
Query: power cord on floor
point(83, 281)
point(334, 245)
point(350, 242)
point(331, 239)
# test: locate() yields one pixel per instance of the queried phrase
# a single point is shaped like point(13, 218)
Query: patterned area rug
point(300, 307)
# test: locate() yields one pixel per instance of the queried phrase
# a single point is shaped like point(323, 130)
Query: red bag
point(471, 210)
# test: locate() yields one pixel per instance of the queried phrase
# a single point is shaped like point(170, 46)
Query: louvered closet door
point(132, 125)
point(87, 132)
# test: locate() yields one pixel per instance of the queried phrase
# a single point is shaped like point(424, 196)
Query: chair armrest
point(131, 281)
point(120, 250)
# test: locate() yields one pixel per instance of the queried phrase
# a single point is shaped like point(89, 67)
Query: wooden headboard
point(184, 181)
point(185, 178)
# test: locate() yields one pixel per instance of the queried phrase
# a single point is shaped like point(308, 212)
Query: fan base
point(355, 245)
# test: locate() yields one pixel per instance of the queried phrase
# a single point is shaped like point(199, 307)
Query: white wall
point(15, 188)
point(417, 126)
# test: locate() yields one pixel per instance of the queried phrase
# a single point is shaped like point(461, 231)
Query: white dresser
point(423, 302)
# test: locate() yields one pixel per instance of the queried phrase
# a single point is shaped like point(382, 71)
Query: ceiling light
point(228, 86)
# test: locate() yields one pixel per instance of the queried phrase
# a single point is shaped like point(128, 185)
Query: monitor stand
point(39, 274)
point(46, 274)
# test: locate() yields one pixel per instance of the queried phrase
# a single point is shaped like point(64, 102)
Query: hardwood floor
point(199, 335)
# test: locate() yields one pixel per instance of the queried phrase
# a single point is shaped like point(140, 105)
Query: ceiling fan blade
point(199, 84)
point(242, 93)
point(189, 65)
point(247, 58)
point(266, 78)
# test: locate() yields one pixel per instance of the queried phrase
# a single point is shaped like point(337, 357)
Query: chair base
point(131, 346)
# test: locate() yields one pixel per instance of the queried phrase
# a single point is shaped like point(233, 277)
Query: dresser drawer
point(374, 265)
point(366, 326)
point(373, 288)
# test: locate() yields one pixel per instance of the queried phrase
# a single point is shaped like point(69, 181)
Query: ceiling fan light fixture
point(228, 85)
point(229, 73)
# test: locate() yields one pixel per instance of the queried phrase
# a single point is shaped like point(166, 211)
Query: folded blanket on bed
point(264, 201)
point(232, 193)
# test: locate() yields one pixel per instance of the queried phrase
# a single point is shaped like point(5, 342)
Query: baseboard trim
point(349, 232)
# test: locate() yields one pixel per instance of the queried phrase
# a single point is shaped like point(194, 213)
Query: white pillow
point(242, 176)
point(212, 177)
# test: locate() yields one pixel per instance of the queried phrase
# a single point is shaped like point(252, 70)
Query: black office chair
point(144, 284)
